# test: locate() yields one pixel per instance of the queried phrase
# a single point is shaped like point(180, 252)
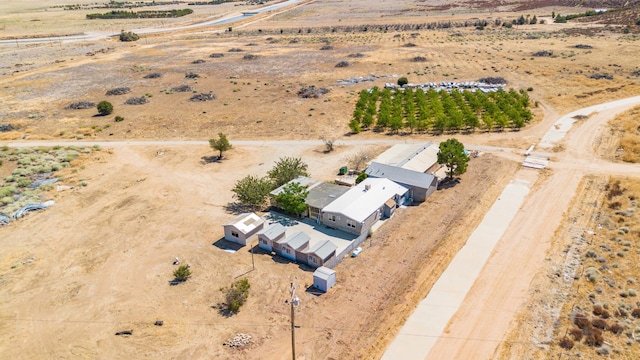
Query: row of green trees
point(123, 14)
point(439, 111)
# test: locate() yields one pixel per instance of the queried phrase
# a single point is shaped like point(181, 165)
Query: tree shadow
point(312, 290)
point(175, 282)
point(223, 310)
point(210, 159)
point(448, 183)
point(238, 208)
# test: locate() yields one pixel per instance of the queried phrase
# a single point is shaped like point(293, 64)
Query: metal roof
point(400, 154)
point(323, 249)
point(324, 194)
point(302, 180)
point(246, 222)
point(323, 273)
point(400, 175)
point(365, 198)
point(423, 160)
point(296, 240)
point(272, 231)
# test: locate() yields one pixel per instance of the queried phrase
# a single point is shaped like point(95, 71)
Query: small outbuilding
point(321, 252)
point(293, 247)
point(269, 235)
point(324, 278)
point(243, 227)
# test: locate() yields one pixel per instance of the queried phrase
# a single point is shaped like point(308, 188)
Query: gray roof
point(296, 241)
point(400, 175)
point(323, 273)
point(324, 194)
point(323, 249)
point(272, 231)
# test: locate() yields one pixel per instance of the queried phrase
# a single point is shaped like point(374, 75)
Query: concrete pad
point(427, 323)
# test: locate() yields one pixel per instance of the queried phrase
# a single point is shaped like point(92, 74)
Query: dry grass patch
point(626, 128)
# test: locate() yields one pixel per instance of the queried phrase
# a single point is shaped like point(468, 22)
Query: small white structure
point(243, 227)
point(324, 278)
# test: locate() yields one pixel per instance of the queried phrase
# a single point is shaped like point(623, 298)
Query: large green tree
point(287, 169)
point(220, 144)
point(252, 190)
point(452, 155)
point(292, 197)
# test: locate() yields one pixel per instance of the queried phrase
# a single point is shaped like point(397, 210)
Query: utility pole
point(294, 301)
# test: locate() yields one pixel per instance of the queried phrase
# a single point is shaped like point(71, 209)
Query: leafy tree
point(252, 190)
point(182, 274)
point(361, 177)
point(521, 20)
point(220, 144)
point(452, 155)
point(292, 197)
point(104, 108)
point(403, 81)
point(534, 20)
point(287, 169)
point(236, 295)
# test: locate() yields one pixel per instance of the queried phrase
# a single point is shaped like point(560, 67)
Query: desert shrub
point(592, 274)
point(409, 45)
point(235, 50)
point(153, 76)
point(591, 254)
point(202, 97)
point(356, 55)
point(128, 36)
point(419, 59)
point(632, 292)
point(615, 205)
point(581, 321)
point(182, 88)
point(543, 53)
point(216, 55)
point(342, 64)
point(599, 323)
point(403, 81)
point(594, 338)
point(603, 350)
point(616, 328)
point(119, 91)
point(198, 61)
point(566, 343)
point(250, 57)
point(191, 75)
point(137, 101)
point(79, 105)
point(104, 108)
point(182, 274)
point(236, 295)
point(118, 118)
point(24, 183)
point(583, 46)
point(327, 47)
point(601, 76)
point(597, 310)
point(576, 333)
point(307, 92)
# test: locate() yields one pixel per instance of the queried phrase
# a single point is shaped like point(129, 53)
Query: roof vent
point(367, 187)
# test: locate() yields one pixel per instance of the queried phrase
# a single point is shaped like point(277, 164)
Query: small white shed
point(324, 278)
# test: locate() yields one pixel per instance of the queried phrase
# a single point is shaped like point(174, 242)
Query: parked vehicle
point(356, 251)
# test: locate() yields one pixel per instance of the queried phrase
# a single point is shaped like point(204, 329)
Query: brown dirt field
point(100, 261)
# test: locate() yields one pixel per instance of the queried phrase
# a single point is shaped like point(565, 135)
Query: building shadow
point(312, 290)
point(227, 245)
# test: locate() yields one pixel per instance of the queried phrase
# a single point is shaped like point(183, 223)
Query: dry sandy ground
point(102, 256)
point(100, 262)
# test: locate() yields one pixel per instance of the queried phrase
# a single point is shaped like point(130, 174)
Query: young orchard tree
point(220, 144)
point(452, 155)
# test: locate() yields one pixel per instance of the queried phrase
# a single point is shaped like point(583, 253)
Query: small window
point(351, 223)
point(332, 217)
point(234, 233)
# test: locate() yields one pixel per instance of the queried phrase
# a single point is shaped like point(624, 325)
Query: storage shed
point(242, 227)
point(321, 252)
point(293, 247)
point(324, 278)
